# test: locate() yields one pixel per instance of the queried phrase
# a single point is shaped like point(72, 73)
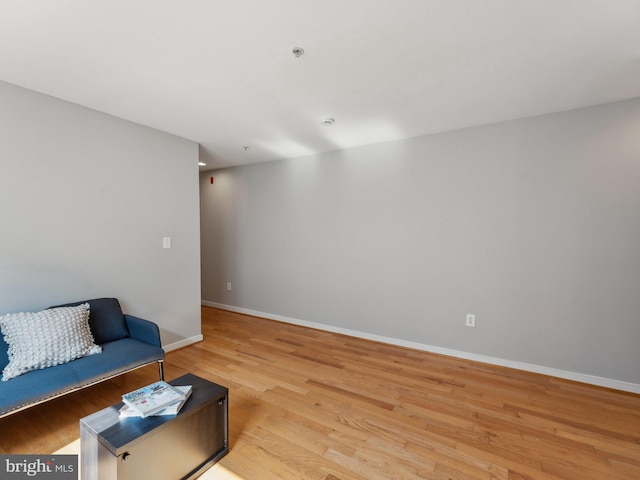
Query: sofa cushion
point(116, 358)
point(36, 386)
point(45, 339)
point(106, 319)
point(119, 356)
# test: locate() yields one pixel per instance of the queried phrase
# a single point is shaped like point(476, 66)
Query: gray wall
point(533, 225)
point(85, 200)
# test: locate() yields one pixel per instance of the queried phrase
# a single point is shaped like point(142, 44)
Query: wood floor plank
point(310, 404)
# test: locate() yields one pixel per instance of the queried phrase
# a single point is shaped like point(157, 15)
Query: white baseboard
point(553, 372)
point(183, 343)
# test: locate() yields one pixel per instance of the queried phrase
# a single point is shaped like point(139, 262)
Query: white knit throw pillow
point(47, 338)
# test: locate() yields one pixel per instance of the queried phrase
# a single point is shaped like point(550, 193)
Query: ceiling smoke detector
point(327, 121)
point(298, 51)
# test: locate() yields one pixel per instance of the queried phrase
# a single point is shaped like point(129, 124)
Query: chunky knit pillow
point(46, 338)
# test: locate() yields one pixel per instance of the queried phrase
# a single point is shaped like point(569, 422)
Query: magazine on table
point(153, 398)
point(172, 409)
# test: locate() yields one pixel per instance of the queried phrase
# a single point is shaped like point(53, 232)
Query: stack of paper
point(159, 398)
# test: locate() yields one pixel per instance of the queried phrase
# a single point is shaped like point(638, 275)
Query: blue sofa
point(127, 343)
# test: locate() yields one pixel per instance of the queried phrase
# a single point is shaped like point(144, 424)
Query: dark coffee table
point(171, 447)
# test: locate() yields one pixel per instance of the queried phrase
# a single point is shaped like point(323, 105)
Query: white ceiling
point(222, 73)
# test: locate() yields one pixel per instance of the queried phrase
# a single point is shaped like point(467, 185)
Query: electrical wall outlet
point(471, 320)
point(228, 286)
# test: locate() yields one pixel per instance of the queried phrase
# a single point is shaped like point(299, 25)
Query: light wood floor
point(307, 404)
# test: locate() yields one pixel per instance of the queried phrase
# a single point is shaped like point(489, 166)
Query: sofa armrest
point(143, 330)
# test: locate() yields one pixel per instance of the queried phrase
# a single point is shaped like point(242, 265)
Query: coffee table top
point(116, 433)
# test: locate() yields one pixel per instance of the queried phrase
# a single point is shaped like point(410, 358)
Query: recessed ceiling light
point(327, 121)
point(202, 164)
